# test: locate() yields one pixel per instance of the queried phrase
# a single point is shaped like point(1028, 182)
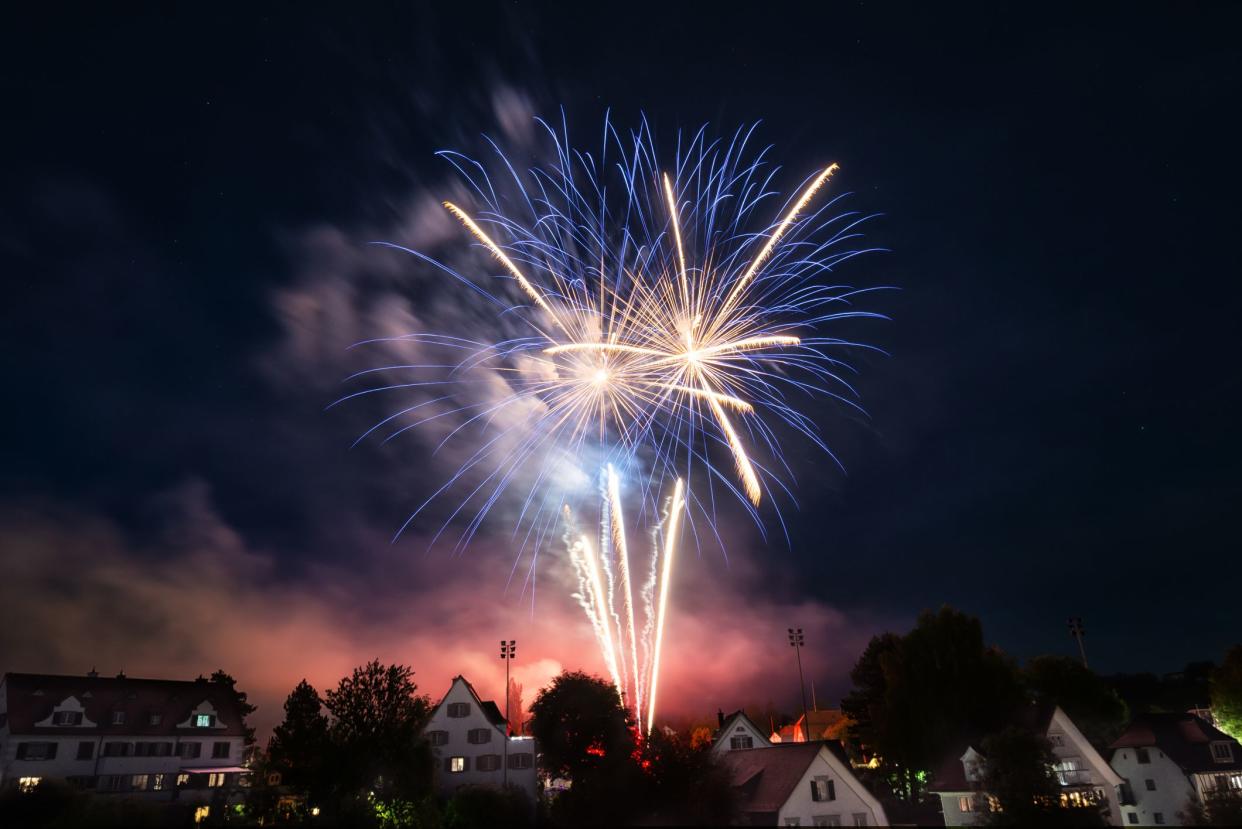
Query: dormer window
point(1222, 752)
point(118, 718)
point(204, 720)
point(67, 718)
point(155, 719)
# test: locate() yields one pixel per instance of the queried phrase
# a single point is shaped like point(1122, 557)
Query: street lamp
point(1078, 632)
point(508, 652)
point(796, 641)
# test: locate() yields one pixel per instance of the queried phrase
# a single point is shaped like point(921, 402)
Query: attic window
point(154, 719)
point(1222, 752)
point(457, 710)
point(1140, 754)
point(743, 742)
point(118, 718)
point(204, 720)
point(67, 718)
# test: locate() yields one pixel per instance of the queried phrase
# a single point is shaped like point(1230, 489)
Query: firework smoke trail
point(656, 325)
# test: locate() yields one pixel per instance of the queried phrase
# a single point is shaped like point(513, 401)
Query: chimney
point(719, 718)
point(92, 673)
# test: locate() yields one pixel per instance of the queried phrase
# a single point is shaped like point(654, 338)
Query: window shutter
point(465, 766)
point(814, 792)
point(51, 750)
point(448, 763)
point(832, 790)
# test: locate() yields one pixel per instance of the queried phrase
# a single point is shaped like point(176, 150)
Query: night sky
point(187, 202)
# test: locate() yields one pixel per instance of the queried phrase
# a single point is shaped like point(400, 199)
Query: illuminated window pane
point(28, 784)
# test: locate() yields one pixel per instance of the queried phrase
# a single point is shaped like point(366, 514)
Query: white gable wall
point(852, 798)
point(458, 745)
point(739, 727)
point(1172, 789)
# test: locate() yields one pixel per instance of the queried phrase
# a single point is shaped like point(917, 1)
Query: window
point(793, 821)
point(155, 719)
point(1141, 755)
point(826, 820)
point(204, 720)
point(457, 710)
point(36, 751)
point(456, 765)
point(521, 761)
point(215, 780)
point(1222, 752)
point(1158, 817)
point(488, 762)
point(183, 780)
point(118, 718)
point(823, 789)
point(161, 749)
point(1056, 739)
point(220, 751)
point(1132, 817)
point(67, 718)
point(1071, 772)
point(110, 782)
point(189, 751)
point(966, 804)
point(476, 736)
point(86, 750)
point(159, 782)
point(743, 742)
point(438, 738)
point(140, 782)
point(28, 784)
point(860, 818)
point(1151, 784)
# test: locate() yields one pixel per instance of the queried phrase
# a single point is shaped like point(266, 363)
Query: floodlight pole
point(1078, 632)
point(508, 649)
point(796, 641)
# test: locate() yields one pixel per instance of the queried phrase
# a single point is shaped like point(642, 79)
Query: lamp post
point(796, 642)
point(1078, 632)
point(508, 652)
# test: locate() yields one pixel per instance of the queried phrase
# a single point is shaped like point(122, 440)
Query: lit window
point(741, 743)
point(314, 811)
point(1222, 752)
point(438, 738)
point(457, 710)
point(215, 780)
point(823, 789)
point(118, 718)
point(140, 782)
point(457, 764)
point(201, 813)
point(521, 761)
point(204, 720)
point(28, 784)
point(159, 782)
point(1071, 772)
point(1235, 781)
point(965, 804)
point(183, 780)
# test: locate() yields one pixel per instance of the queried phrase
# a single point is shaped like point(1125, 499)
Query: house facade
point(736, 732)
point(1169, 760)
point(152, 739)
point(800, 784)
point(470, 740)
point(1083, 774)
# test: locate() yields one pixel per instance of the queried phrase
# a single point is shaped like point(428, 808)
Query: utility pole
point(508, 651)
point(1078, 632)
point(796, 641)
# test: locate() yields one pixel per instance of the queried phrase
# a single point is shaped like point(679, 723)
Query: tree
point(516, 713)
point(244, 708)
point(1094, 707)
point(485, 807)
point(301, 745)
point(1220, 807)
point(917, 695)
point(378, 718)
point(684, 785)
point(1226, 690)
point(580, 725)
point(1017, 774)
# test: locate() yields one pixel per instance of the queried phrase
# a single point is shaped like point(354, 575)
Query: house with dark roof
point(800, 784)
point(473, 746)
point(1169, 760)
point(1083, 774)
point(154, 739)
point(737, 732)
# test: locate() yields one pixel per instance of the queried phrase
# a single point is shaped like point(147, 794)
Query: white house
point(1084, 776)
point(152, 739)
point(800, 784)
point(1170, 759)
point(737, 732)
point(470, 740)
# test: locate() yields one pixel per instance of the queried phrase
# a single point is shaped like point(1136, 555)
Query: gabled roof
point(825, 724)
point(764, 778)
point(726, 728)
point(31, 698)
point(489, 708)
point(1184, 738)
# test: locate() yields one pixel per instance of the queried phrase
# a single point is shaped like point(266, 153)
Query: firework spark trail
point(656, 342)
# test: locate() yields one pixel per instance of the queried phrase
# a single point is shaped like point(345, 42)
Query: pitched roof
point(822, 721)
point(726, 727)
point(31, 699)
point(1183, 737)
point(489, 708)
point(949, 774)
point(765, 777)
